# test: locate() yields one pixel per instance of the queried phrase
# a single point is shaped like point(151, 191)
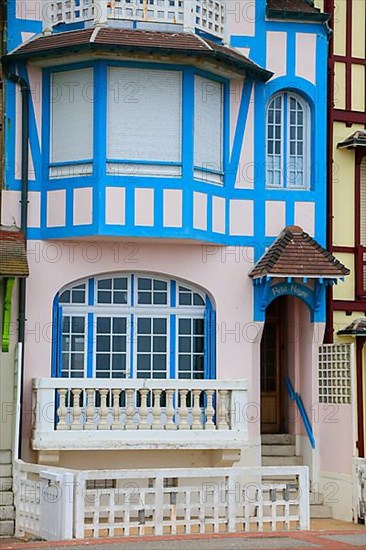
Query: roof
point(136, 41)
point(357, 139)
point(295, 9)
point(296, 254)
point(356, 328)
point(13, 256)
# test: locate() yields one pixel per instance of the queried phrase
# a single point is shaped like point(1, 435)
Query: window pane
point(111, 347)
point(152, 346)
point(191, 348)
point(73, 346)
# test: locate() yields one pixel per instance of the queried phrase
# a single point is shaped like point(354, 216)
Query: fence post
point(79, 505)
point(304, 498)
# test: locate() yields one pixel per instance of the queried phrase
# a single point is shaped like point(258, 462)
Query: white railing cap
point(136, 384)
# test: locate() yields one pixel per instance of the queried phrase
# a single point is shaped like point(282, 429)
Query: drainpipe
point(24, 89)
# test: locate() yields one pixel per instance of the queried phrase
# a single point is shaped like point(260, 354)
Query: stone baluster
point(62, 410)
point(196, 411)
point(223, 423)
point(76, 411)
point(157, 422)
point(116, 425)
point(170, 411)
point(103, 424)
point(90, 423)
point(210, 411)
point(130, 409)
point(183, 410)
point(144, 411)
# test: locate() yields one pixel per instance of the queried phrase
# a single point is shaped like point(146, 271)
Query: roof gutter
point(25, 92)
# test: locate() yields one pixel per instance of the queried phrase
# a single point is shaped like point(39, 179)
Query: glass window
point(152, 350)
point(288, 156)
point(111, 347)
point(191, 348)
point(73, 347)
point(136, 325)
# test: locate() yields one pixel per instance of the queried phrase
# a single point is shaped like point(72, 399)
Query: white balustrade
point(204, 15)
point(64, 409)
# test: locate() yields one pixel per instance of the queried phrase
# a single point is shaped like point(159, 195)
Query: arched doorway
point(274, 357)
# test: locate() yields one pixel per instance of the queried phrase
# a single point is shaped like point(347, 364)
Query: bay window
point(127, 120)
point(133, 325)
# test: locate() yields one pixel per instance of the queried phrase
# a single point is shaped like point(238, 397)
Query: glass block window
point(288, 142)
point(335, 370)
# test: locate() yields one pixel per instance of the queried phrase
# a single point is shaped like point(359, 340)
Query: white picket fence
point(57, 503)
point(359, 489)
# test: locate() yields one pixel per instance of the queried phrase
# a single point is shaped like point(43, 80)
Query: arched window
point(288, 147)
point(133, 325)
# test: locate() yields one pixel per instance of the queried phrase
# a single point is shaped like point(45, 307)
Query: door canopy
point(295, 265)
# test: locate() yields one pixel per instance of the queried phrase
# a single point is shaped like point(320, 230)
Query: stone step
point(5, 457)
point(277, 439)
point(282, 461)
point(5, 470)
point(6, 513)
point(278, 450)
point(7, 528)
point(320, 511)
point(6, 498)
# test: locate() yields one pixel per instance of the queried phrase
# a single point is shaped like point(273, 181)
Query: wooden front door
point(273, 368)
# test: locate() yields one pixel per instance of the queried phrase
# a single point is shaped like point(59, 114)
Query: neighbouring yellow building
point(346, 322)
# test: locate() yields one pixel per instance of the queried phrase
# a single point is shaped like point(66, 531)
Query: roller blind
point(144, 114)
point(208, 101)
point(72, 115)
point(363, 202)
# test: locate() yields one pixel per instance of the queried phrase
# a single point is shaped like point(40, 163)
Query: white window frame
point(286, 95)
point(133, 313)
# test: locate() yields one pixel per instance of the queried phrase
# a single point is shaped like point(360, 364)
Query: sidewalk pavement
point(351, 537)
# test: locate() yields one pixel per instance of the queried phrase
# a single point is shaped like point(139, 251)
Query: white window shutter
point(363, 203)
point(208, 123)
point(72, 98)
point(144, 115)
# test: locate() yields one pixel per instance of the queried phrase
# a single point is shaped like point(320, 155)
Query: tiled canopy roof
point(296, 254)
point(357, 139)
point(135, 41)
point(13, 256)
point(304, 9)
point(356, 328)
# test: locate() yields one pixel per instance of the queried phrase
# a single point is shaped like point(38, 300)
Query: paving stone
point(355, 539)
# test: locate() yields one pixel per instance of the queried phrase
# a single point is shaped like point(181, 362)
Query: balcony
point(207, 16)
point(90, 414)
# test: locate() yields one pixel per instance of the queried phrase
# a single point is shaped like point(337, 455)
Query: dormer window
point(288, 147)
